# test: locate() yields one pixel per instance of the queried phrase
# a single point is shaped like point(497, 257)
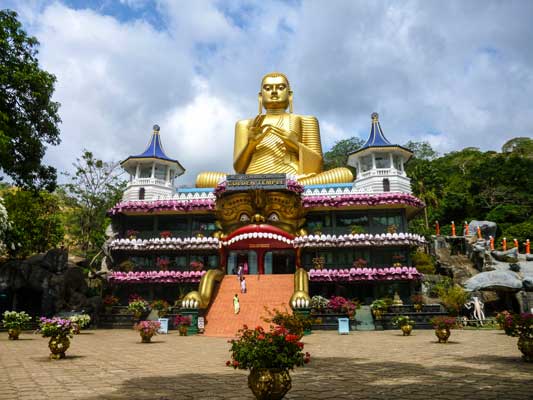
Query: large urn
point(13, 334)
point(442, 334)
point(146, 338)
point(269, 384)
point(525, 345)
point(406, 330)
point(58, 345)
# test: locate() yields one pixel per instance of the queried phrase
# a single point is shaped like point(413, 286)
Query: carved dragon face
point(279, 208)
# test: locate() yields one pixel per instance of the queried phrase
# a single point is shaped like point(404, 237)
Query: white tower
point(152, 173)
point(380, 164)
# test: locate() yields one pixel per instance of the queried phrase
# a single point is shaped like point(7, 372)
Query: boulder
point(494, 280)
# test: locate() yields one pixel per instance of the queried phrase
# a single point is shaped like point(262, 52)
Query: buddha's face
point(275, 92)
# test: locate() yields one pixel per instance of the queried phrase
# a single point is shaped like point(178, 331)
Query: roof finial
point(375, 117)
point(156, 128)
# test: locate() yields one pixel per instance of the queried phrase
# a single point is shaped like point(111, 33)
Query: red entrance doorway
point(271, 248)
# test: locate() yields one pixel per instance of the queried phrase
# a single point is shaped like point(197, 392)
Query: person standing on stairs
point(239, 272)
point(236, 305)
point(243, 285)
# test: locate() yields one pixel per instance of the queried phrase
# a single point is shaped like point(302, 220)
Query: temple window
point(160, 172)
point(386, 185)
point(382, 160)
point(397, 162)
point(366, 163)
point(141, 193)
point(146, 171)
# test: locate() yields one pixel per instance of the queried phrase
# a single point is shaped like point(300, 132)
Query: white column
point(359, 171)
point(167, 179)
point(137, 171)
point(153, 170)
point(391, 161)
point(401, 164)
point(373, 161)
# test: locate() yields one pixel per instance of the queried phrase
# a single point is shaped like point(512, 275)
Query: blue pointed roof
point(155, 150)
point(377, 137)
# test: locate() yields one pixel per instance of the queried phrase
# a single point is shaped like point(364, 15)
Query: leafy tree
point(338, 155)
point(35, 221)
point(94, 188)
point(422, 150)
point(520, 145)
point(28, 116)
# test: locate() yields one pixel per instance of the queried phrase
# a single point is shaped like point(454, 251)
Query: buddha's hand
point(290, 138)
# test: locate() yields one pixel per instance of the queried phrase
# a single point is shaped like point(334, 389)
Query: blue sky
point(453, 73)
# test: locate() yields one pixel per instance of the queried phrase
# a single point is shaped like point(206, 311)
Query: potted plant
point(58, 330)
point(506, 322)
point(405, 323)
point(109, 301)
point(80, 321)
point(268, 355)
point(147, 329)
point(182, 322)
point(196, 265)
point(296, 324)
point(161, 306)
point(378, 307)
point(165, 234)
point(318, 304)
point(521, 325)
point(360, 263)
point(132, 234)
point(442, 327)
point(162, 263)
point(138, 307)
point(13, 321)
point(418, 302)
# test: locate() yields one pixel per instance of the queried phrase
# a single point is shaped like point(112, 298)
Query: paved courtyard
point(113, 364)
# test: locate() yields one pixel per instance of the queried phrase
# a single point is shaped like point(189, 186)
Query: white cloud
point(457, 74)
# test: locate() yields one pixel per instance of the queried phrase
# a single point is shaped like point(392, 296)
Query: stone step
point(263, 292)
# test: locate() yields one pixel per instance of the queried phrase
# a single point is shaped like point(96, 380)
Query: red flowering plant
point(443, 322)
point(196, 265)
point(520, 325)
point(274, 349)
point(182, 320)
point(165, 234)
point(131, 233)
point(110, 300)
point(162, 263)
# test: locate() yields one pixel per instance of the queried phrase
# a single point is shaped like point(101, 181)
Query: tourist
point(239, 272)
point(243, 285)
point(236, 305)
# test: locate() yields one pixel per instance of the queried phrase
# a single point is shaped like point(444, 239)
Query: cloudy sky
point(453, 73)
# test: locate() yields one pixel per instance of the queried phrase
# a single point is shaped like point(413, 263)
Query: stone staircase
point(272, 291)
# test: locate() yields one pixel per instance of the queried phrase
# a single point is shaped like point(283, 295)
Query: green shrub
point(453, 298)
point(423, 262)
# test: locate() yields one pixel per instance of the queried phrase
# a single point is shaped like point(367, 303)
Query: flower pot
point(417, 307)
point(146, 338)
point(442, 334)
point(378, 313)
point(183, 330)
point(525, 345)
point(269, 384)
point(13, 333)
point(406, 329)
point(58, 345)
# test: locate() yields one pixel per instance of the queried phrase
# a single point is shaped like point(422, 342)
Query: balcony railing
point(382, 172)
point(149, 181)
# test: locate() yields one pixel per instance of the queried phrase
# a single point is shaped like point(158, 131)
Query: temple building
point(291, 237)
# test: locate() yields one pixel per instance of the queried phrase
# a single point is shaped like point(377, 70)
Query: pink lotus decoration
point(364, 274)
point(362, 199)
point(359, 240)
point(163, 205)
point(155, 276)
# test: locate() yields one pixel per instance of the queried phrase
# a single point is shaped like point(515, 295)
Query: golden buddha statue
point(278, 141)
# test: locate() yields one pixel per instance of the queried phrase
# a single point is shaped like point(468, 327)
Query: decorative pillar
point(137, 171)
point(373, 161)
point(260, 261)
point(153, 170)
point(391, 161)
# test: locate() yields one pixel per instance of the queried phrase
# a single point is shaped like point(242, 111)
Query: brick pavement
point(113, 364)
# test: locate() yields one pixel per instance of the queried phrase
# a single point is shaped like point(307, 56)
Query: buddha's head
point(275, 92)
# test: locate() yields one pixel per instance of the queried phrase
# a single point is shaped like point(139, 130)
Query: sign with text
point(259, 181)
point(164, 325)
